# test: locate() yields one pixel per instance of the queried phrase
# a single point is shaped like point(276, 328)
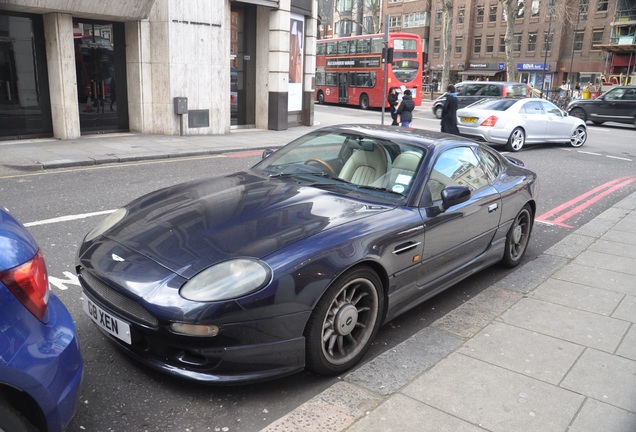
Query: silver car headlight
point(227, 280)
point(106, 224)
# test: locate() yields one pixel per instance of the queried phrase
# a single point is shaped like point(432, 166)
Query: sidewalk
point(550, 348)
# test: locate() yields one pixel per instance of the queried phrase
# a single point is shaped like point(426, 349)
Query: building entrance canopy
point(104, 9)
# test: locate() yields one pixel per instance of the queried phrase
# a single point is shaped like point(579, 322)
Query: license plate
point(113, 325)
point(468, 119)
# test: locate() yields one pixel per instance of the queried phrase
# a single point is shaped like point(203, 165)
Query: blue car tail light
point(29, 283)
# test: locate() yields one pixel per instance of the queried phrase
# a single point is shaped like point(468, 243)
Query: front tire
point(517, 140)
point(579, 136)
point(321, 98)
point(518, 237)
point(344, 322)
point(364, 101)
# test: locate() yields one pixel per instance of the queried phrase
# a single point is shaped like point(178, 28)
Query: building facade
point(171, 67)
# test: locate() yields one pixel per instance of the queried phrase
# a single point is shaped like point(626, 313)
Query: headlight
point(106, 224)
point(227, 280)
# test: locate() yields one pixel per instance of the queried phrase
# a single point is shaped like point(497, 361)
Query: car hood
point(188, 227)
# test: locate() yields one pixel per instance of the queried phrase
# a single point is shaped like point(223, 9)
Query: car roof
point(491, 82)
point(426, 139)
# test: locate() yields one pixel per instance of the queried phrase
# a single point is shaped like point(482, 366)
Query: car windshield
point(494, 104)
point(348, 162)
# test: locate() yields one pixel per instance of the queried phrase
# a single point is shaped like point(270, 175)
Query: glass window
point(363, 46)
point(396, 21)
point(436, 46)
point(332, 48)
point(321, 48)
point(490, 44)
point(551, 109)
point(404, 44)
point(532, 42)
point(521, 8)
point(547, 41)
point(516, 42)
point(597, 38)
point(601, 6)
point(535, 8)
point(477, 45)
point(502, 44)
point(376, 45)
point(584, 6)
point(492, 14)
point(438, 17)
point(456, 167)
point(343, 47)
point(480, 14)
point(460, 15)
point(416, 19)
point(489, 162)
point(331, 78)
point(458, 44)
point(532, 107)
point(578, 40)
point(344, 5)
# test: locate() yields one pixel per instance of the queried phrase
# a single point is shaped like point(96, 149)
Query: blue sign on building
point(533, 66)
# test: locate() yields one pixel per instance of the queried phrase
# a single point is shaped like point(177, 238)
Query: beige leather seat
point(365, 167)
point(404, 167)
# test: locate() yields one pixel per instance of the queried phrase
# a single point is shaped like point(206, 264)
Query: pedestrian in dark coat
point(393, 103)
point(405, 110)
point(449, 112)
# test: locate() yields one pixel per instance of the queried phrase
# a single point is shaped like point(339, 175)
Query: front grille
point(116, 301)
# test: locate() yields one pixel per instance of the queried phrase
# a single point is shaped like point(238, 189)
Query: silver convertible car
point(516, 122)
point(297, 261)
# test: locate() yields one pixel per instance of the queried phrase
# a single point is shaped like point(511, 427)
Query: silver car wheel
point(517, 140)
point(579, 136)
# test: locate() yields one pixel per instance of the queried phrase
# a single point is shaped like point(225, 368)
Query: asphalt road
point(120, 395)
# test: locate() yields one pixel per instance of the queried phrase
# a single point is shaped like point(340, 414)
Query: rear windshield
point(494, 104)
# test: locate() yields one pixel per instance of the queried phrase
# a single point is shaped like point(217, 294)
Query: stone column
point(60, 55)
point(279, 66)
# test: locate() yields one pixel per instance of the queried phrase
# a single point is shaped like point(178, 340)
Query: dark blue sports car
point(298, 261)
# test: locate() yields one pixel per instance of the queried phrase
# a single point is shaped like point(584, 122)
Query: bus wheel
point(321, 97)
point(364, 101)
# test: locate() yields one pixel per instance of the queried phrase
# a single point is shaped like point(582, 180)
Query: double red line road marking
point(560, 214)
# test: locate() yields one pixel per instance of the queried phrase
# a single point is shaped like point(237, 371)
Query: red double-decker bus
point(350, 71)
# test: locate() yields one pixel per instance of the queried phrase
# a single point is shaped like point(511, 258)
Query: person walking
point(393, 103)
point(449, 112)
point(405, 110)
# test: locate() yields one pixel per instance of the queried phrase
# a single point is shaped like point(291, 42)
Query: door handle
point(493, 207)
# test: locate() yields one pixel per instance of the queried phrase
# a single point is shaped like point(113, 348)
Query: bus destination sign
point(372, 62)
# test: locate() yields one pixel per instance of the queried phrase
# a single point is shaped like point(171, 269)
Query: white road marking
point(68, 218)
point(61, 283)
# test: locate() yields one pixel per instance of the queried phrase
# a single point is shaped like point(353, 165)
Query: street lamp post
point(545, 58)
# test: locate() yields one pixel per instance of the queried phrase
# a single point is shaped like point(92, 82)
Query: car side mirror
point(453, 195)
point(267, 153)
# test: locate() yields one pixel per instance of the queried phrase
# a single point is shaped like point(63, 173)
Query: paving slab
point(472, 316)
point(332, 410)
point(599, 278)
point(603, 245)
point(571, 246)
point(627, 309)
point(530, 275)
point(605, 261)
point(597, 416)
point(596, 300)
point(627, 348)
point(494, 398)
point(573, 325)
point(414, 415)
point(397, 367)
point(607, 378)
point(529, 353)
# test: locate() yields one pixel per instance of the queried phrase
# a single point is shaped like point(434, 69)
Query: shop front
point(484, 71)
point(536, 73)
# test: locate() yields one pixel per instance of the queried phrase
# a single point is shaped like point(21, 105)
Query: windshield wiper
point(378, 188)
point(296, 173)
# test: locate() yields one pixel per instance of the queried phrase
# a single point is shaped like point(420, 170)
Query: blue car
point(298, 261)
point(41, 366)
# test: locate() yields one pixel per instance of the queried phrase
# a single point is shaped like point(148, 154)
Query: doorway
point(243, 65)
point(100, 63)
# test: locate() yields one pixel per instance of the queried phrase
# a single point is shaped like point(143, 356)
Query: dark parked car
point(469, 92)
point(299, 260)
point(40, 362)
point(618, 104)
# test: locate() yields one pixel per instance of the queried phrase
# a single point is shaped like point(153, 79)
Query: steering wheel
point(320, 162)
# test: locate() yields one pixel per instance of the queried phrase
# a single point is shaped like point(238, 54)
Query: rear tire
point(517, 140)
point(12, 420)
point(578, 112)
point(438, 112)
point(518, 238)
point(345, 321)
point(579, 136)
point(364, 101)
